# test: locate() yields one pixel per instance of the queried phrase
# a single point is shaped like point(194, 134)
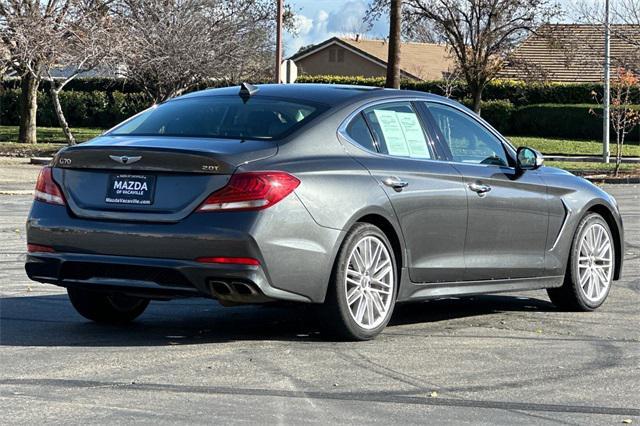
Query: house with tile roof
point(368, 58)
point(572, 53)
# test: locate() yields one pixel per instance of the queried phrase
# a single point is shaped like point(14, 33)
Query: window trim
point(434, 147)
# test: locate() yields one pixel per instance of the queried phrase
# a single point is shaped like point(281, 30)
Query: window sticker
point(413, 135)
point(392, 132)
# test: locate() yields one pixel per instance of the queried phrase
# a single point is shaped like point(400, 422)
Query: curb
point(40, 160)
point(587, 158)
point(18, 192)
point(614, 180)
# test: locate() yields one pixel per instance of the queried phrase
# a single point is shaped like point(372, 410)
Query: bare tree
point(625, 27)
point(16, 16)
point(84, 40)
point(395, 34)
point(451, 82)
point(64, 37)
point(177, 45)
point(623, 117)
point(480, 33)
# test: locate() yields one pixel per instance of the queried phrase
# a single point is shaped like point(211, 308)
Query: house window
point(341, 55)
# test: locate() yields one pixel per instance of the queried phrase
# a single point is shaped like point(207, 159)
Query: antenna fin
point(247, 90)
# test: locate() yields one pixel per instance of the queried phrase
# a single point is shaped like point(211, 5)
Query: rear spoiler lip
point(157, 159)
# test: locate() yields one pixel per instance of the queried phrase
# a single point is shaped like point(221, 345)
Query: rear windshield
point(221, 117)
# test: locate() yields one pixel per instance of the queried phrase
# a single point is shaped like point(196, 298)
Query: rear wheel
point(106, 308)
point(362, 292)
point(590, 269)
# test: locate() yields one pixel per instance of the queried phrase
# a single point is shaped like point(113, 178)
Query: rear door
point(508, 209)
point(428, 196)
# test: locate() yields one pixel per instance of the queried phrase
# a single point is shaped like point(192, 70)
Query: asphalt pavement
point(498, 359)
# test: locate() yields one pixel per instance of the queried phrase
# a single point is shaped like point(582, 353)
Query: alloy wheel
point(595, 263)
point(369, 282)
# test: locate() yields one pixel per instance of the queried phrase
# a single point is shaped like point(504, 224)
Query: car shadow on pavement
point(51, 321)
point(467, 306)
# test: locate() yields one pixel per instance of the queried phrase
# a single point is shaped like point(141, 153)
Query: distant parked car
point(354, 198)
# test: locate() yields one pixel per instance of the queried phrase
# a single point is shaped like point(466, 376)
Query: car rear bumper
point(295, 253)
point(156, 278)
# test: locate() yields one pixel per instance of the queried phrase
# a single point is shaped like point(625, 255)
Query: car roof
point(328, 94)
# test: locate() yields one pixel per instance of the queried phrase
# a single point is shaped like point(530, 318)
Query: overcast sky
point(320, 19)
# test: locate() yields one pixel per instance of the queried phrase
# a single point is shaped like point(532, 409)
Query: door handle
point(395, 183)
point(479, 188)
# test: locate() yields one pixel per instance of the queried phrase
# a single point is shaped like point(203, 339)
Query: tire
point(373, 294)
point(106, 308)
point(589, 275)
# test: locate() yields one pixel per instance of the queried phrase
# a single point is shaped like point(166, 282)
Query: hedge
point(89, 84)
point(105, 109)
point(517, 92)
point(581, 121)
point(82, 109)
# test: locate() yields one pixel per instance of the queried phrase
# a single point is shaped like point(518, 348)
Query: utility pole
point(279, 39)
point(607, 76)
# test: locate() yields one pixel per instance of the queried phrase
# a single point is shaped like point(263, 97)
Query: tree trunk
point(28, 108)
point(620, 143)
point(476, 94)
point(55, 99)
point(393, 62)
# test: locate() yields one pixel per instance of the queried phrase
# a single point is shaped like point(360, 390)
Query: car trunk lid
point(149, 179)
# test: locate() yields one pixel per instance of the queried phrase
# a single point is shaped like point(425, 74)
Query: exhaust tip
point(242, 289)
point(220, 288)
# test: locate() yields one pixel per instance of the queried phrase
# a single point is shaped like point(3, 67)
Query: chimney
point(357, 37)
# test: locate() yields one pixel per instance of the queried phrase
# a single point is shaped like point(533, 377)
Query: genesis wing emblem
point(123, 159)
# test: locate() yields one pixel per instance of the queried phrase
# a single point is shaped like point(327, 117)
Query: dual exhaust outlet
point(235, 292)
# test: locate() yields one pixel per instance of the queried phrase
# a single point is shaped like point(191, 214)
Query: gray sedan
point(349, 199)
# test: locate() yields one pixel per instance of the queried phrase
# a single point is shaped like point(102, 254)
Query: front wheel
point(590, 269)
point(106, 308)
point(362, 291)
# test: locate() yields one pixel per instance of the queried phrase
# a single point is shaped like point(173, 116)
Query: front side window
point(468, 140)
point(397, 130)
point(221, 117)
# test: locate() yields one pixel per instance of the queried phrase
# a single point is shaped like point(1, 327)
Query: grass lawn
point(49, 134)
point(51, 139)
point(575, 147)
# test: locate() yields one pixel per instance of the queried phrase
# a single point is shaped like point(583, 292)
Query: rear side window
point(222, 117)
point(359, 132)
point(398, 130)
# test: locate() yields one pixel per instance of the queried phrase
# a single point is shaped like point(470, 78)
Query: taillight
point(230, 260)
point(46, 189)
point(251, 191)
point(37, 248)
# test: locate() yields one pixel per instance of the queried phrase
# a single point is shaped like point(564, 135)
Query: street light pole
point(606, 98)
point(279, 39)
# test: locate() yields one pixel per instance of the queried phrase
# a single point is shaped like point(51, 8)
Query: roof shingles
point(572, 53)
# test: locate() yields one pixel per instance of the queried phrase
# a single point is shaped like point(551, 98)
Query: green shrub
point(82, 109)
point(83, 84)
point(517, 92)
point(498, 113)
point(564, 121)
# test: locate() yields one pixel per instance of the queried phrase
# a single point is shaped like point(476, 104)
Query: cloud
point(347, 19)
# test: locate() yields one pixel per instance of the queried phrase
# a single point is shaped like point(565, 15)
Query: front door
point(508, 209)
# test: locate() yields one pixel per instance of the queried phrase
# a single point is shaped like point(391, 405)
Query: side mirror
point(528, 158)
